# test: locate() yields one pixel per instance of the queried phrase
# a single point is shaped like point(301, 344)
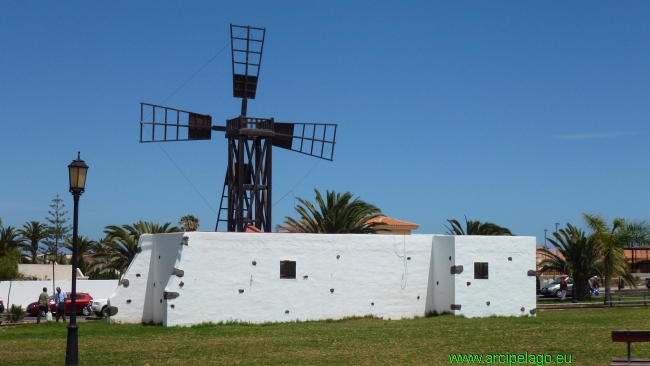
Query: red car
point(83, 300)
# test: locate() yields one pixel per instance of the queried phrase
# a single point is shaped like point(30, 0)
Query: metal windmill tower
point(246, 194)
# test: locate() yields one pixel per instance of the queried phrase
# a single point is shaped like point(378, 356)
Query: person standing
point(563, 288)
point(42, 304)
point(59, 298)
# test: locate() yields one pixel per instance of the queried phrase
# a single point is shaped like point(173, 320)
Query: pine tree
point(58, 230)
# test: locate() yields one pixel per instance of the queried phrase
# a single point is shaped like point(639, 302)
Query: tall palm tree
point(476, 228)
point(121, 245)
point(9, 239)
point(338, 214)
point(33, 232)
point(189, 223)
point(613, 239)
point(581, 260)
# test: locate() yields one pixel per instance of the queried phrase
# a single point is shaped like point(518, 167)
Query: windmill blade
point(313, 139)
point(161, 124)
point(246, 46)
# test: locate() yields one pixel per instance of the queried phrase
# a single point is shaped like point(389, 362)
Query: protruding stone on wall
point(455, 306)
point(111, 311)
point(170, 295)
point(533, 311)
point(241, 290)
point(531, 273)
point(178, 272)
point(124, 282)
point(458, 269)
point(185, 240)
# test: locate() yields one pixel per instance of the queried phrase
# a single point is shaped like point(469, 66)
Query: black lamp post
point(574, 298)
point(77, 171)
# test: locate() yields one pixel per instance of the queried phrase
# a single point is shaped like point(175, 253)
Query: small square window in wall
point(480, 270)
point(287, 269)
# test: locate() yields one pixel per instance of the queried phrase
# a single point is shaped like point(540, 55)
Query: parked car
point(83, 300)
point(553, 288)
point(98, 306)
point(647, 284)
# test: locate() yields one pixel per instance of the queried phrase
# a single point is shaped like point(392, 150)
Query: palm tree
point(98, 263)
point(121, 245)
point(613, 239)
point(9, 239)
point(189, 223)
point(476, 228)
point(33, 232)
point(339, 214)
point(84, 248)
point(581, 260)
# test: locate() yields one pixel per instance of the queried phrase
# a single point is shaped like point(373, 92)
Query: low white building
point(195, 277)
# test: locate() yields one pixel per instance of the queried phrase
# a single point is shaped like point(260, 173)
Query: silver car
point(553, 288)
point(98, 306)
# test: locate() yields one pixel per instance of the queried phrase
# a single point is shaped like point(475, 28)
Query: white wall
point(508, 288)
point(25, 292)
point(443, 282)
point(147, 275)
point(372, 275)
point(370, 269)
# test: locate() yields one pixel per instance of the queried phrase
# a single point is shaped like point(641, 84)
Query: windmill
point(246, 193)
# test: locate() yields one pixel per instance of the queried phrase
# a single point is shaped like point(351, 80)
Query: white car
point(98, 306)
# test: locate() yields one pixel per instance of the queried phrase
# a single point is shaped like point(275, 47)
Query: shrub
point(15, 314)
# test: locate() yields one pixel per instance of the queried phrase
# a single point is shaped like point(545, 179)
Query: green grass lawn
point(583, 333)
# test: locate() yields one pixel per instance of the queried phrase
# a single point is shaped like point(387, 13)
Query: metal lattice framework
point(246, 194)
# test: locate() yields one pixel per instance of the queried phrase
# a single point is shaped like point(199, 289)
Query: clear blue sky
point(519, 113)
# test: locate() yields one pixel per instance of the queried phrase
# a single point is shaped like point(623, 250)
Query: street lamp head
point(574, 239)
point(77, 169)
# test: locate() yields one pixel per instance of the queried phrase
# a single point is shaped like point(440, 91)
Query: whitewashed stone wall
point(236, 276)
point(139, 297)
point(25, 292)
point(442, 283)
point(508, 291)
